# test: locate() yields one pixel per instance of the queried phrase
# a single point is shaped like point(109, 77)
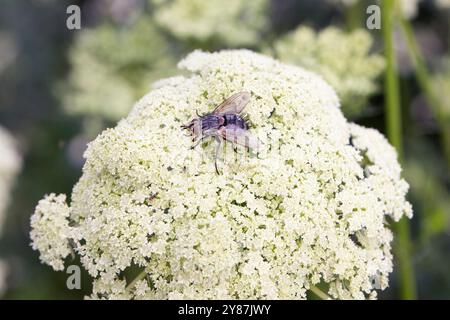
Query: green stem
point(322, 295)
point(394, 133)
point(423, 79)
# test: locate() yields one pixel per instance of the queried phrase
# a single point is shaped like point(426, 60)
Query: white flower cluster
point(443, 4)
point(10, 164)
point(233, 23)
point(312, 209)
point(343, 59)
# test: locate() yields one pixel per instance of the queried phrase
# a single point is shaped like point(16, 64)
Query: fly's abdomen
point(234, 119)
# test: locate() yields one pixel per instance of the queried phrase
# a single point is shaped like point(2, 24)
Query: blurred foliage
point(342, 58)
point(114, 62)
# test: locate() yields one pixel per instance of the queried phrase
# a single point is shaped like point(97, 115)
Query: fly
point(224, 123)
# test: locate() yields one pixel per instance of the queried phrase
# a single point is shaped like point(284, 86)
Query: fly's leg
point(199, 141)
point(219, 142)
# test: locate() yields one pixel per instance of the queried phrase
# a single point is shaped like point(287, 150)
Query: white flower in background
point(311, 210)
point(232, 23)
point(342, 58)
point(441, 85)
point(10, 164)
point(111, 66)
point(409, 7)
point(50, 230)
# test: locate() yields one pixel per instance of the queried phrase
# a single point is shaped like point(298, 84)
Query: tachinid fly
point(224, 123)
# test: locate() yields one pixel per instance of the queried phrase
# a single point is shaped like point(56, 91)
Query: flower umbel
point(235, 24)
point(342, 58)
point(50, 230)
point(312, 209)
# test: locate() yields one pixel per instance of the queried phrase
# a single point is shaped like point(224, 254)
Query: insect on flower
point(224, 123)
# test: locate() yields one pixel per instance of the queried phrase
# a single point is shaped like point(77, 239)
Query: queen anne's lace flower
point(311, 209)
point(234, 23)
point(343, 59)
point(50, 230)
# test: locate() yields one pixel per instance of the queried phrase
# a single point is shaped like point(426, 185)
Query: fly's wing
point(234, 104)
point(241, 137)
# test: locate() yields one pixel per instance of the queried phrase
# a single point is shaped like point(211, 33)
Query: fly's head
point(194, 128)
